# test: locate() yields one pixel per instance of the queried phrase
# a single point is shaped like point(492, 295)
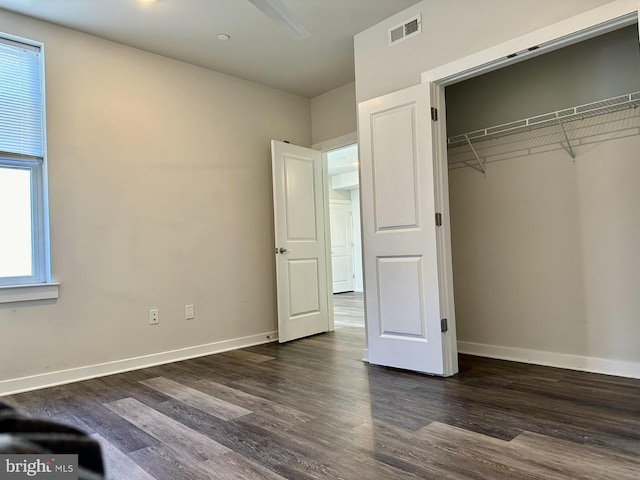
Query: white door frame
point(590, 24)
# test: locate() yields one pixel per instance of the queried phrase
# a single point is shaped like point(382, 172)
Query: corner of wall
point(333, 114)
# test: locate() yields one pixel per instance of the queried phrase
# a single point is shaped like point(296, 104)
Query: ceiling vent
point(407, 29)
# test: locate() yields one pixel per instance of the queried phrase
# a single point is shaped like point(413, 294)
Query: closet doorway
point(542, 160)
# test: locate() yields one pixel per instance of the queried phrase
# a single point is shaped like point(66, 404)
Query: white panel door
point(341, 245)
point(301, 256)
point(399, 232)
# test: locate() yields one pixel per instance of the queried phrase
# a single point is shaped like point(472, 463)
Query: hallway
point(348, 310)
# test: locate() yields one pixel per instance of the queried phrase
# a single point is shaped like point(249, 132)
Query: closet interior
point(544, 190)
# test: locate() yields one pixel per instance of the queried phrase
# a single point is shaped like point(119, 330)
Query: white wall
point(451, 30)
point(160, 196)
point(545, 252)
point(333, 114)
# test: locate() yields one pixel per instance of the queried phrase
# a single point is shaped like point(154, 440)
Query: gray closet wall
point(599, 68)
point(545, 258)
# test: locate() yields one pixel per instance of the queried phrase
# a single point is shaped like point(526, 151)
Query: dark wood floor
point(348, 310)
point(312, 409)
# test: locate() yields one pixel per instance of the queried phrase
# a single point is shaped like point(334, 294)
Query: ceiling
point(343, 160)
point(259, 50)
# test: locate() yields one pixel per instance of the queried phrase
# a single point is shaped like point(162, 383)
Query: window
point(24, 258)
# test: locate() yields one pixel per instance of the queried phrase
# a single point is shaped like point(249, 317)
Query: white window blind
point(21, 119)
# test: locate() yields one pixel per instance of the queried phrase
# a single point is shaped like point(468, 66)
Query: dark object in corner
point(21, 434)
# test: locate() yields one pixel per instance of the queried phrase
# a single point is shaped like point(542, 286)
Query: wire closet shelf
point(557, 124)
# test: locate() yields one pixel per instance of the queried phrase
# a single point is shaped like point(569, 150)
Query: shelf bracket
point(568, 148)
point(480, 163)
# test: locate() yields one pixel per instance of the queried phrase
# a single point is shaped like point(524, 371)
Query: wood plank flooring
point(312, 409)
point(348, 309)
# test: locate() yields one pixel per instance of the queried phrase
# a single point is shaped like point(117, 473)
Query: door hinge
point(444, 327)
point(438, 219)
point(434, 114)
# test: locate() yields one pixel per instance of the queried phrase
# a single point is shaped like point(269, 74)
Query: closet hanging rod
point(609, 105)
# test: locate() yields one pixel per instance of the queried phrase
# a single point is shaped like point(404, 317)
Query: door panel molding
point(395, 187)
point(400, 287)
point(300, 203)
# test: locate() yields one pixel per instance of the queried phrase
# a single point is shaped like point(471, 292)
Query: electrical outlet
point(154, 317)
point(188, 312)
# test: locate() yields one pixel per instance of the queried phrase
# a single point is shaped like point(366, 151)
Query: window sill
point(28, 293)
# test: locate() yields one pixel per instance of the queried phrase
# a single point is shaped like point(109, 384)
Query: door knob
point(283, 250)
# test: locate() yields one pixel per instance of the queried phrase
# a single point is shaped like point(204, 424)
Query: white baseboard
point(52, 379)
point(552, 359)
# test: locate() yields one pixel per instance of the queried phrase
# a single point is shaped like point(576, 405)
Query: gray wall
point(599, 68)
point(545, 253)
point(333, 114)
point(451, 29)
point(160, 196)
point(339, 194)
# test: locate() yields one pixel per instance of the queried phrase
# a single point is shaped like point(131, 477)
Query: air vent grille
point(407, 29)
point(397, 34)
point(411, 27)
